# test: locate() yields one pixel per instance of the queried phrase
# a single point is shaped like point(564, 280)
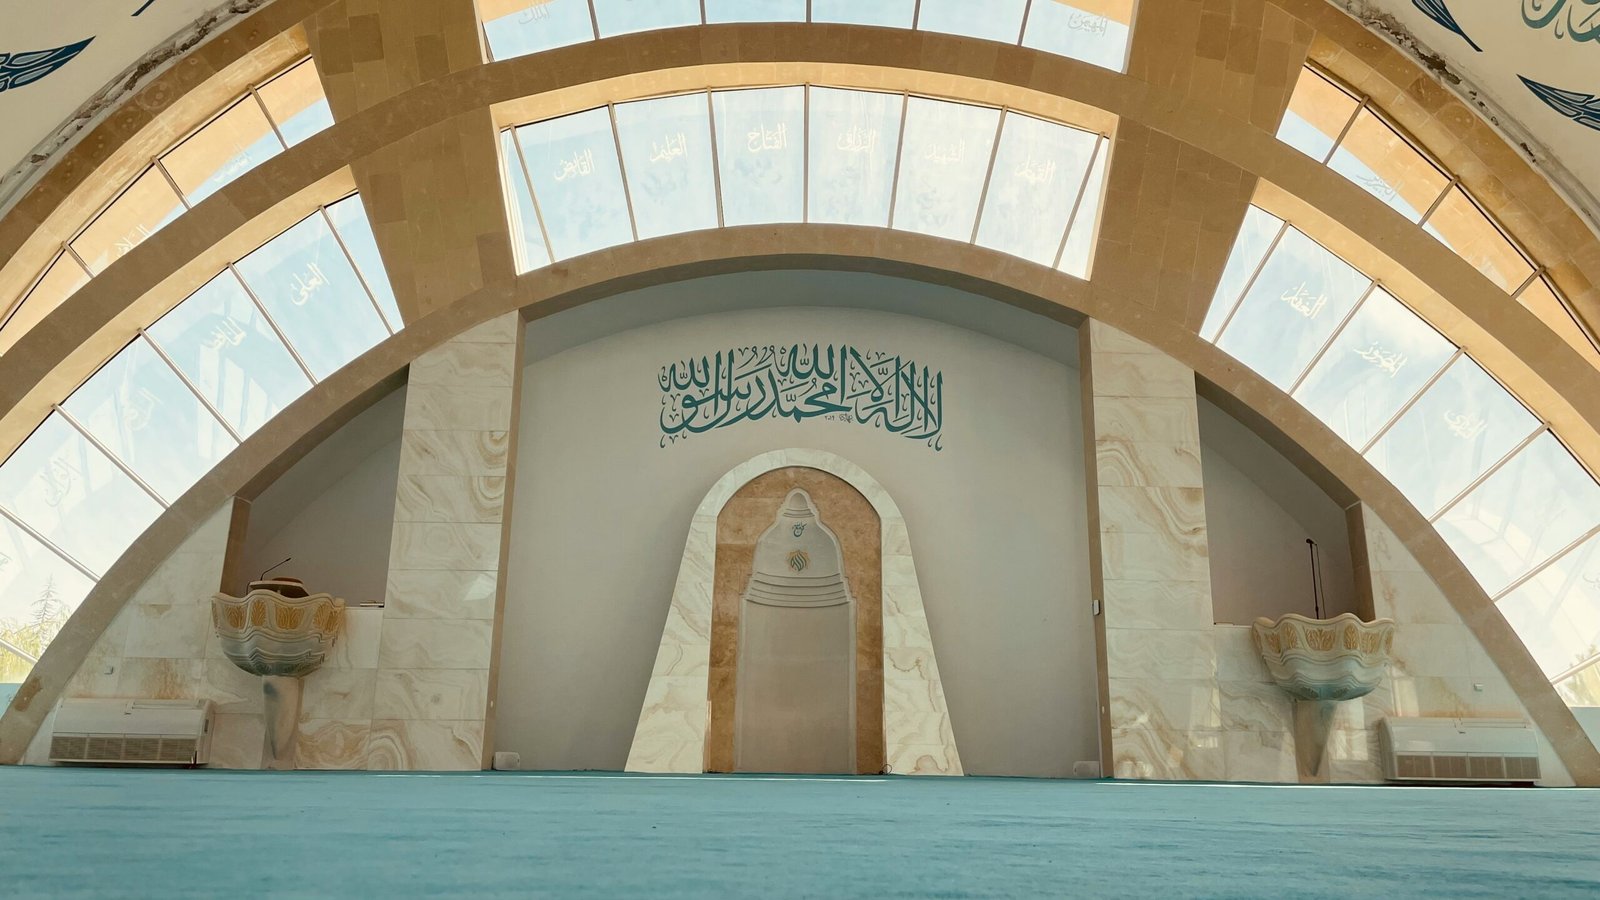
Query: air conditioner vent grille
point(141, 749)
point(1522, 768)
point(1489, 768)
point(1459, 749)
point(1414, 765)
point(68, 746)
point(132, 731)
point(178, 749)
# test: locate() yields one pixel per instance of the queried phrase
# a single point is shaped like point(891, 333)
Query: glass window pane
point(227, 349)
point(60, 281)
point(138, 409)
point(854, 137)
point(755, 11)
point(307, 286)
point(947, 149)
point(1540, 501)
point(1094, 31)
point(1557, 612)
point(229, 146)
point(1462, 227)
point(761, 154)
point(887, 13)
point(349, 219)
point(1385, 165)
point(1077, 257)
point(1542, 301)
point(295, 102)
point(1301, 295)
point(1256, 235)
point(65, 489)
point(1317, 114)
point(1463, 424)
point(142, 210)
point(627, 16)
point(1377, 363)
point(573, 163)
point(991, 20)
point(1038, 171)
point(527, 239)
point(666, 150)
point(520, 27)
point(38, 590)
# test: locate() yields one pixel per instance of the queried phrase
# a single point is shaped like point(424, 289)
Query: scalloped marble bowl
point(267, 633)
point(1325, 659)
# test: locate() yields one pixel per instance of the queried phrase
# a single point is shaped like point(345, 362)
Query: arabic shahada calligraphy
point(837, 382)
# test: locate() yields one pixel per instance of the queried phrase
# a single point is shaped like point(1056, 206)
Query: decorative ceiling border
point(1534, 151)
point(15, 182)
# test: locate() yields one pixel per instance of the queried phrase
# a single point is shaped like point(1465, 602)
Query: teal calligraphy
point(837, 382)
point(1575, 19)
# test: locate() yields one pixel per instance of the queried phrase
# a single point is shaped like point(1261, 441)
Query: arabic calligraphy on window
point(835, 382)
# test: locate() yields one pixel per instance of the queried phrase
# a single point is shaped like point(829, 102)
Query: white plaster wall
point(1259, 511)
point(997, 520)
point(333, 511)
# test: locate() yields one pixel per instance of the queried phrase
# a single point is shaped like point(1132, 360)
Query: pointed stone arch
point(672, 734)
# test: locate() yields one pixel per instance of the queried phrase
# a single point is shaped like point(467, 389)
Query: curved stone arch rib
point(671, 734)
point(1542, 369)
point(918, 257)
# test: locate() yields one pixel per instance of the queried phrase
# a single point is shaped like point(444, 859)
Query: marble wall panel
point(432, 407)
point(448, 546)
point(236, 742)
point(338, 694)
point(425, 452)
point(450, 498)
point(435, 644)
point(425, 745)
point(433, 677)
point(1157, 604)
point(357, 646)
point(440, 594)
point(431, 694)
point(1119, 461)
point(332, 743)
point(1160, 654)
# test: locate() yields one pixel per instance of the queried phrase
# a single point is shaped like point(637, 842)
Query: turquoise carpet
point(103, 833)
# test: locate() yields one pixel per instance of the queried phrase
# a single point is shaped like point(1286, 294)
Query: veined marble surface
point(671, 734)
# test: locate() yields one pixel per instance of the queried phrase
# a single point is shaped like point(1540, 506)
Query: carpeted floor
point(103, 833)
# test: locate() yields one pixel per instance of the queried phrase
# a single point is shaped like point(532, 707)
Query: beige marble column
point(1160, 711)
point(433, 700)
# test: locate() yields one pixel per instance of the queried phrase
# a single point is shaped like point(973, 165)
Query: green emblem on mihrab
point(798, 560)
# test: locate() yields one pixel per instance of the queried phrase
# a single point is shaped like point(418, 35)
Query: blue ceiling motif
point(1576, 19)
point(1581, 108)
point(1439, 12)
point(22, 69)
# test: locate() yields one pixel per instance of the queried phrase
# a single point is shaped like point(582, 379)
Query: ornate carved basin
point(277, 628)
point(1320, 662)
point(278, 631)
point(1325, 659)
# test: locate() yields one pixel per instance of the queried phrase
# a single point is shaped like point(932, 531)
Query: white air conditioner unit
point(143, 732)
point(1438, 750)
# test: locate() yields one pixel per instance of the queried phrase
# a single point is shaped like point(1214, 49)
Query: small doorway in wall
point(797, 638)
